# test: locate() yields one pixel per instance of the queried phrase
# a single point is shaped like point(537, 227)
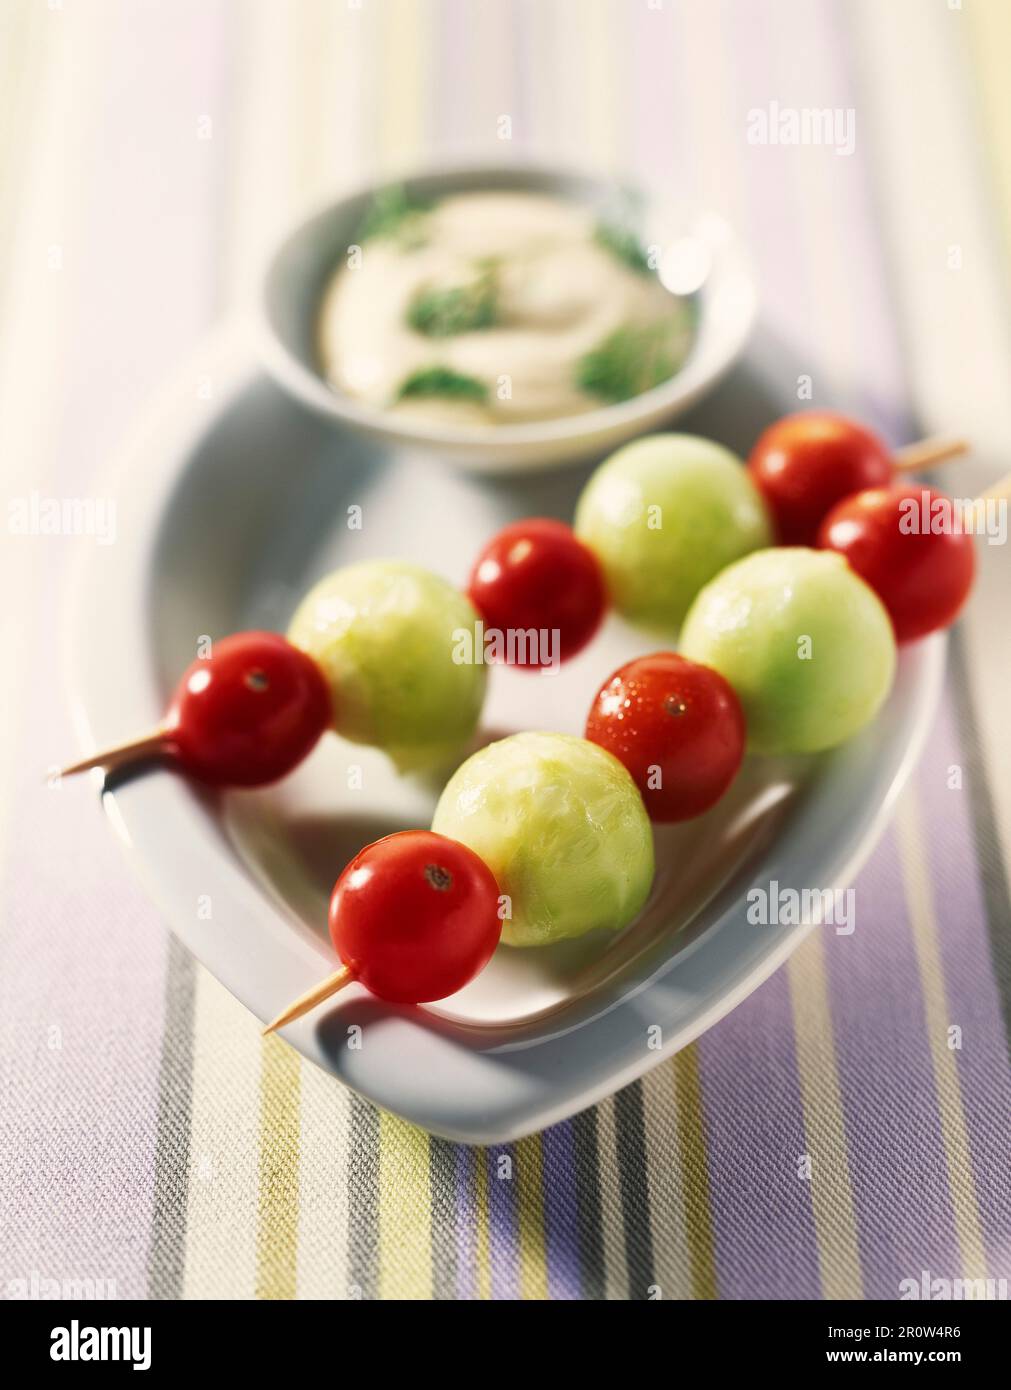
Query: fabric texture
point(843, 1130)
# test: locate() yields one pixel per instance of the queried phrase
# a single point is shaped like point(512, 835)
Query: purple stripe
point(879, 390)
point(81, 1070)
point(521, 75)
point(656, 152)
point(897, 1163)
point(884, 1058)
point(973, 1000)
point(769, 39)
point(466, 1160)
point(771, 189)
point(504, 1252)
point(561, 1213)
point(451, 113)
point(900, 1183)
point(763, 1224)
point(748, 1067)
point(466, 110)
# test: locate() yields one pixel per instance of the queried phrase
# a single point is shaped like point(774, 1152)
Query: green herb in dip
point(631, 360)
point(443, 381)
point(393, 214)
point(440, 311)
point(496, 307)
point(623, 242)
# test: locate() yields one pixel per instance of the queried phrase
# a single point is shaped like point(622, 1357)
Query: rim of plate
point(146, 811)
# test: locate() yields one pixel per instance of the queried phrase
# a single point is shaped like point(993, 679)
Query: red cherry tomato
point(414, 916)
point(677, 726)
point(805, 463)
point(248, 713)
point(921, 574)
point(537, 574)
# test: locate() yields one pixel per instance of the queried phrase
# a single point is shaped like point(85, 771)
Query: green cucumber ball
point(803, 640)
point(663, 516)
point(561, 825)
point(384, 634)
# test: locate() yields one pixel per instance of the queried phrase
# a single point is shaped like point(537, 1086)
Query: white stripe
point(716, 147)
point(261, 131)
point(264, 144)
point(323, 1187)
point(347, 138)
point(27, 358)
point(612, 1227)
point(957, 334)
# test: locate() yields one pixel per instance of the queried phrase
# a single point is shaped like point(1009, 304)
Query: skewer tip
point(146, 746)
point(310, 999)
point(928, 453)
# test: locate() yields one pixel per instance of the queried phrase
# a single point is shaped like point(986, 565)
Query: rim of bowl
point(312, 387)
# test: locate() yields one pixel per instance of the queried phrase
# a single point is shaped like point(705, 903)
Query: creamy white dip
point(542, 295)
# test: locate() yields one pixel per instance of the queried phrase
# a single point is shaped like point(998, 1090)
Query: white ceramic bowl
point(300, 268)
point(215, 536)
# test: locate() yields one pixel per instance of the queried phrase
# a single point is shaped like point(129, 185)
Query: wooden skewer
point(146, 746)
point(1000, 490)
point(311, 998)
point(928, 453)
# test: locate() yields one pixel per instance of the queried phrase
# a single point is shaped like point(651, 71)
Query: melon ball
point(663, 516)
point(562, 827)
point(806, 644)
point(387, 637)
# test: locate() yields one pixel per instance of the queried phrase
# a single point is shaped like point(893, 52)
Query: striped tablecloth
point(152, 1143)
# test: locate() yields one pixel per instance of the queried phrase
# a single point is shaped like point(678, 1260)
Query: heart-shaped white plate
point(231, 500)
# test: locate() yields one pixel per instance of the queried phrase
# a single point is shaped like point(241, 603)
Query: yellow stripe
point(221, 1203)
point(277, 1214)
point(597, 80)
point(311, 21)
point(405, 1234)
point(990, 37)
point(406, 26)
point(938, 1020)
point(482, 1253)
point(667, 1205)
point(530, 1176)
point(576, 47)
point(824, 1128)
point(692, 1155)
